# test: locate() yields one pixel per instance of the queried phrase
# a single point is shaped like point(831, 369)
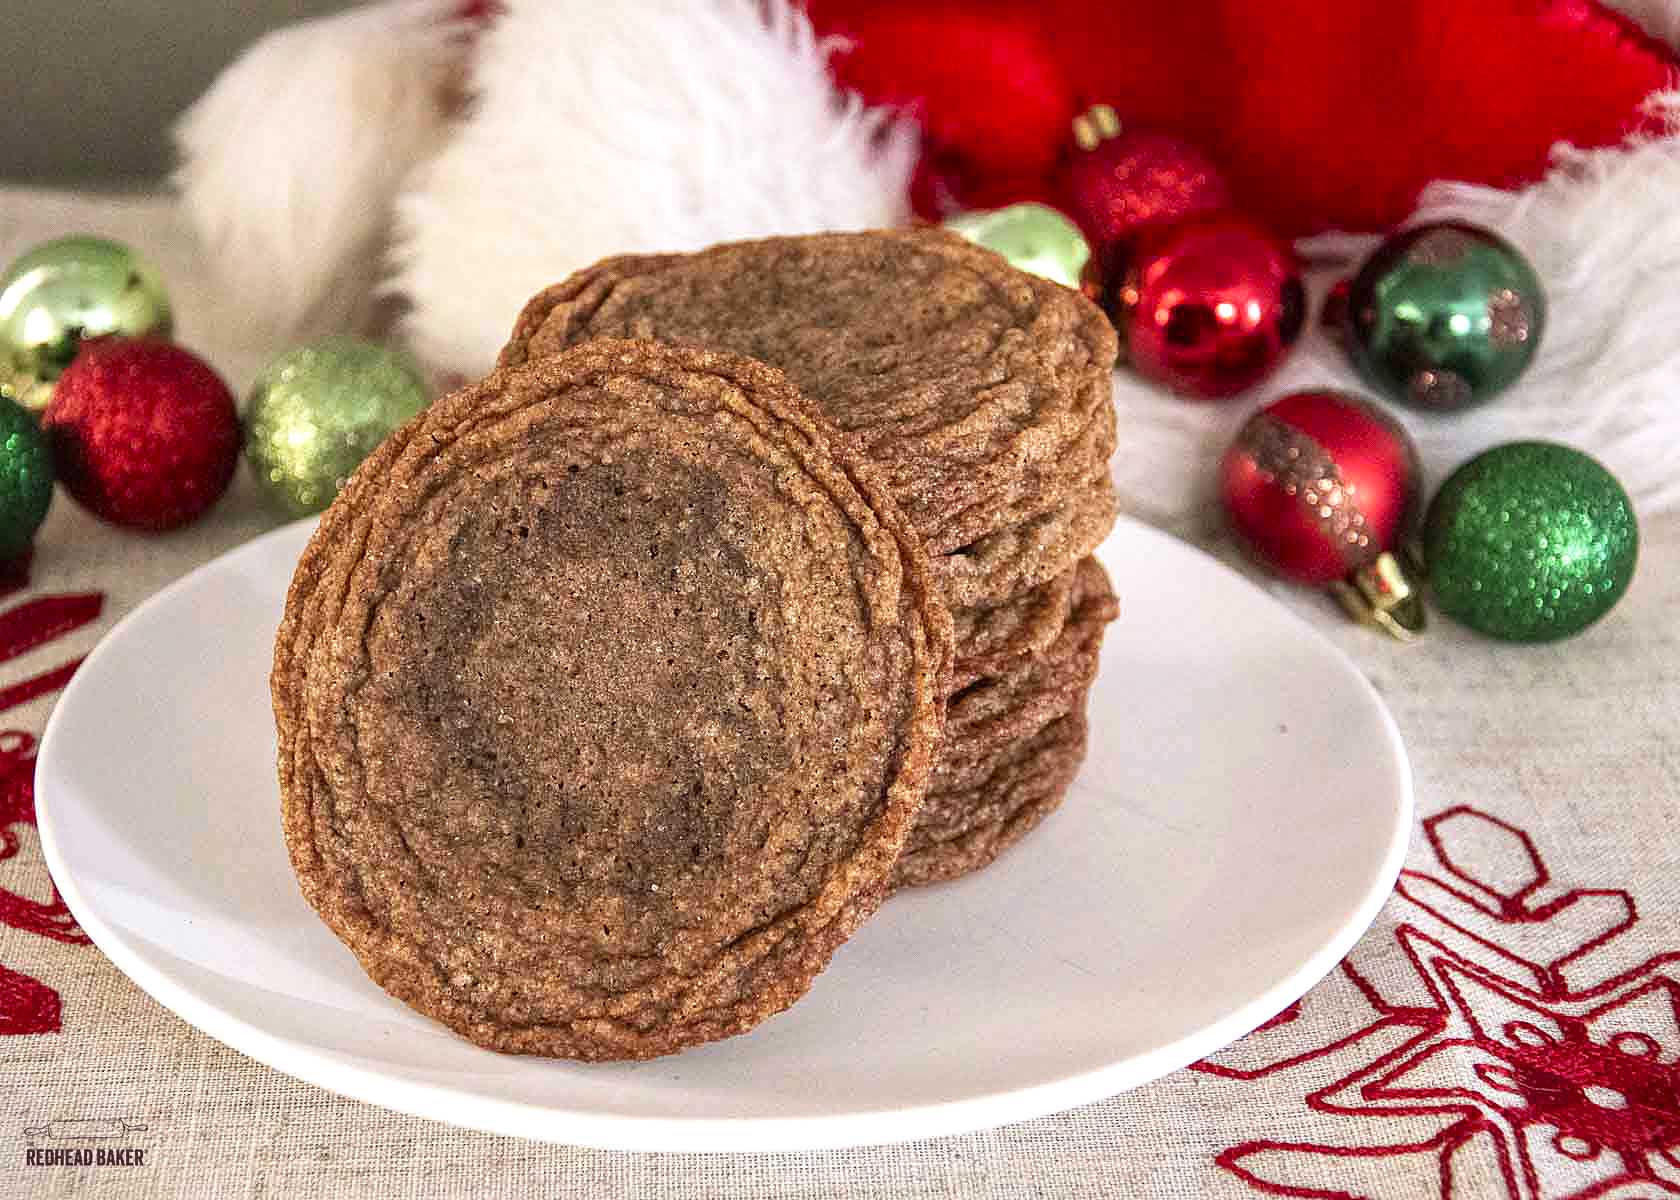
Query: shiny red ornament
point(1207, 306)
point(143, 433)
point(1118, 180)
point(1318, 484)
point(1322, 116)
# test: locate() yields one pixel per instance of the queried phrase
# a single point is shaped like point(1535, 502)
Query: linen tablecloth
point(1510, 1027)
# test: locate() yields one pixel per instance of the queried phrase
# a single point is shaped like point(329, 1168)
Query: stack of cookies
point(986, 395)
point(617, 689)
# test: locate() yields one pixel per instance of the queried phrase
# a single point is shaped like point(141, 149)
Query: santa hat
point(450, 159)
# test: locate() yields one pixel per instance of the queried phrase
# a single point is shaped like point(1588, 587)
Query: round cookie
point(983, 392)
point(606, 693)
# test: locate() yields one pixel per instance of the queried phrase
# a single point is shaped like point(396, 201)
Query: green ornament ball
point(26, 478)
point(1032, 237)
point(1530, 542)
point(1443, 316)
point(316, 411)
point(62, 292)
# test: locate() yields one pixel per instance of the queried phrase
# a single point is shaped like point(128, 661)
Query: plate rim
point(701, 1134)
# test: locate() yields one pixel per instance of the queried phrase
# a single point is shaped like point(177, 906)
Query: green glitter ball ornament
point(1530, 542)
point(1442, 316)
point(26, 478)
point(1032, 237)
point(315, 412)
point(65, 291)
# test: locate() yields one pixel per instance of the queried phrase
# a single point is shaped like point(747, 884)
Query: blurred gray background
point(88, 88)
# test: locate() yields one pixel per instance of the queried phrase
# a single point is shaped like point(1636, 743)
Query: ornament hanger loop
point(1382, 595)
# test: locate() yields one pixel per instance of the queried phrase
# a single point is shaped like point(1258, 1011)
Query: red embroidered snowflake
point(27, 1005)
point(1503, 1050)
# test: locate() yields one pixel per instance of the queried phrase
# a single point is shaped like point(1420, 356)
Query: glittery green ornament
point(26, 478)
point(1443, 316)
point(1032, 237)
point(1530, 542)
point(63, 291)
point(317, 411)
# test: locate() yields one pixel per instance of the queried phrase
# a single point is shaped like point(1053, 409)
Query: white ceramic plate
point(1241, 818)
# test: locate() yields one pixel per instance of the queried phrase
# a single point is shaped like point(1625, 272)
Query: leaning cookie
point(607, 692)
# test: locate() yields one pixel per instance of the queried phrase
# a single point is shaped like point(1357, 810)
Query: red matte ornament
point(1321, 115)
point(143, 433)
point(1118, 180)
point(1208, 306)
point(1318, 484)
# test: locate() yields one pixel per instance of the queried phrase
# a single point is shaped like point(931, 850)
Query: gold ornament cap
point(1095, 125)
point(1382, 595)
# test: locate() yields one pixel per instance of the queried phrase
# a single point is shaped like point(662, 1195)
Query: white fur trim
point(600, 129)
point(290, 162)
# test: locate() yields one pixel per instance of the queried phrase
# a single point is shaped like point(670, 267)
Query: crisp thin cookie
point(606, 692)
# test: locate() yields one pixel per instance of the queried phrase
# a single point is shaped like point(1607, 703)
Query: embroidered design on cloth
point(26, 1004)
point(1515, 1050)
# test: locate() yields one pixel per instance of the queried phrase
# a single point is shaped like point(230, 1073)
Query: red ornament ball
point(1116, 186)
point(143, 433)
point(1208, 306)
point(1318, 484)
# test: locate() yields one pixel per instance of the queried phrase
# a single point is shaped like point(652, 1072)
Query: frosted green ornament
point(1530, 542)
point(315, 412)
point(1032, 237)
point(62, 292)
